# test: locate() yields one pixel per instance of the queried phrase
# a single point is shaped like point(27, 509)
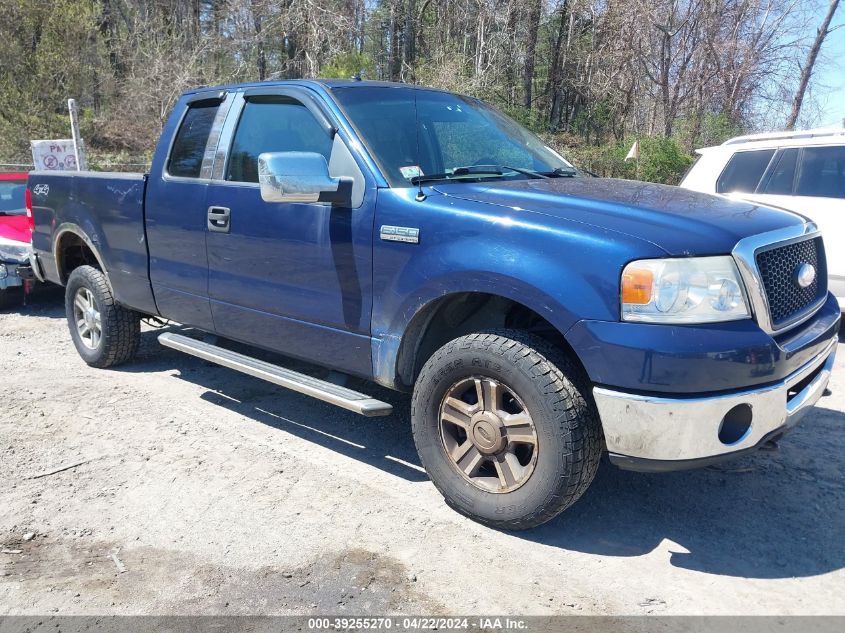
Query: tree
point(584, 73)
point(530, 51)
point(807, 69)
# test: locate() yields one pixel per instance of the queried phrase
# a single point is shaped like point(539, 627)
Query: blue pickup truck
point(424, 241)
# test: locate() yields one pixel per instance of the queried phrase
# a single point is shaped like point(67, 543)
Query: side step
point(314, 387)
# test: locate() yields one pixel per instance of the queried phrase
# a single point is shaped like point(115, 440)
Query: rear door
point(176, 211)
point(820, 190)
point(291, 277)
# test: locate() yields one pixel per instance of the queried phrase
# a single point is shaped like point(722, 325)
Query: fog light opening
point(736, 424)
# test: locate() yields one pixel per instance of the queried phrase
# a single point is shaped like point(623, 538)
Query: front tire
point(104, 332)
point(505, 428)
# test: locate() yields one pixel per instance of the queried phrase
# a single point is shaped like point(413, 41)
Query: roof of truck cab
point(328, 84)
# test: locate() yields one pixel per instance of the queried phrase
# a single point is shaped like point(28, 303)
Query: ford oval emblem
point(805, 274)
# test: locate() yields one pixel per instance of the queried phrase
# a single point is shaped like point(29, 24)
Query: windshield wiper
point(476, 170)
point(559, 172)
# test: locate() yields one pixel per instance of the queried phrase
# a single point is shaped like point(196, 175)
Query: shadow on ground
point(770, 515)
point(46, 300)
point(384, 443)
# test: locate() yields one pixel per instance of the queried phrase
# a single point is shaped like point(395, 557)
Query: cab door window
point(273, 124)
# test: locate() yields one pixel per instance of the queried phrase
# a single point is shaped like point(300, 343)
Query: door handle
point(218, 219)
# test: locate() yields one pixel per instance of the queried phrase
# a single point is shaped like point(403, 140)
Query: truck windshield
point(413, 133)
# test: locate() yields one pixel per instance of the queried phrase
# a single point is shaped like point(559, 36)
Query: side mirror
point(300, 177)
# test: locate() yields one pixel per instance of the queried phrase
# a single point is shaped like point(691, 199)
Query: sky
point(828, 80)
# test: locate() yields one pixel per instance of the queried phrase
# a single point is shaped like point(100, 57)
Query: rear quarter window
point(744, 170)
point(189, 145)
point(822, 172)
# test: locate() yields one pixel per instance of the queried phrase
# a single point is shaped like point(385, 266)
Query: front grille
point(777, 266)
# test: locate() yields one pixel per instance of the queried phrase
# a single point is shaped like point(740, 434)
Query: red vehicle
point(15, 236)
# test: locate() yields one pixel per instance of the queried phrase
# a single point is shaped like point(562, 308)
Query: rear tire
point(104, 332)
point(532, 402)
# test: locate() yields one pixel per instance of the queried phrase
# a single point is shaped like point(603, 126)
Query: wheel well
point(73, 252)
point(462, 313)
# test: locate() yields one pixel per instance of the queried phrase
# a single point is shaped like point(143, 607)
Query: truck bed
point(109, 208)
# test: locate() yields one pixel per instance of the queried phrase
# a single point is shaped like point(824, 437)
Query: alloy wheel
point(86, 314)
point(488, 434)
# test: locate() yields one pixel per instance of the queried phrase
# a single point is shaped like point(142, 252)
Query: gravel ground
point(200, 491)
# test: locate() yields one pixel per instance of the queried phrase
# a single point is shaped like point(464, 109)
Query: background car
point(15, 236)
point(799, 171)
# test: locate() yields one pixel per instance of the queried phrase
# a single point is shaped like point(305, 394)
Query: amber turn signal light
point(636, 286)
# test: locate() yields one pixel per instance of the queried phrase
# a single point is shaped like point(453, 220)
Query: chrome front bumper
point(658, 433)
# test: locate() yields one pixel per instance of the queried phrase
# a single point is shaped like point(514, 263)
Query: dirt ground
point(201, 491)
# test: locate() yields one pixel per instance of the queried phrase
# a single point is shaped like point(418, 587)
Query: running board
point(314, 387)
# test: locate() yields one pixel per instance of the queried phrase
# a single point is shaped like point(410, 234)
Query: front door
point(290, 277)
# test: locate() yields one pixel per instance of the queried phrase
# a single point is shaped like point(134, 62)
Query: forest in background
point(589, 76)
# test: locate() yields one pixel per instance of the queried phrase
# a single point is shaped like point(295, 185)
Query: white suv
point(799, 171)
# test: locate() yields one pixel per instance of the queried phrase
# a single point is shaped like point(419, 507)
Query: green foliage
point(346, 65)
point(127, 61)
point(448, 71)
point(594, 121)
point(48, 53)
point(718, 128)
point(662, 160)
point(532, 119)
point(714, 129)
point(100, 160)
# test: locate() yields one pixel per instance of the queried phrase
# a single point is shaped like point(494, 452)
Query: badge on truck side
point(400, 234)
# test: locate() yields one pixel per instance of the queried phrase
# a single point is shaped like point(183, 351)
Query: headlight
point(691, 290)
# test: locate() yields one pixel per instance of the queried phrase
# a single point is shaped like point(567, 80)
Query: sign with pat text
point(54, 155)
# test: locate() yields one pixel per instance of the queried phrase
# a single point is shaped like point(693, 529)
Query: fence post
point(78, 150)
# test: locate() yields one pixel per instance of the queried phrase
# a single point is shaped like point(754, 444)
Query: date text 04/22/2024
point(416, 623)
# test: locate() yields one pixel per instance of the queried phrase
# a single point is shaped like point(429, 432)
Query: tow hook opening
point(736, 424)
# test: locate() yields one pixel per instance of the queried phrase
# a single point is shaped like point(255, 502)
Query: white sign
point(54, 155)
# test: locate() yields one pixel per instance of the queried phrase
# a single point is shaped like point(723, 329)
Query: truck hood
point(680, 221)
